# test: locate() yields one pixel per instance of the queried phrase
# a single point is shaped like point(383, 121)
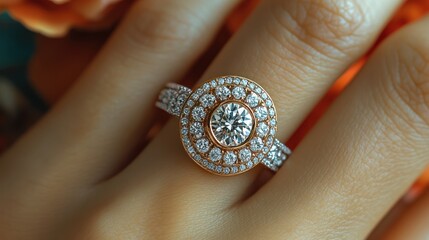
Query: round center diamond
point(231, 124)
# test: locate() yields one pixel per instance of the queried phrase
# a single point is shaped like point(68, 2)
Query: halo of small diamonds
point(196, 118)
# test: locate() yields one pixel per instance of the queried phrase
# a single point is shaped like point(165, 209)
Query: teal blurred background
point(20, 105)
point(17, 44)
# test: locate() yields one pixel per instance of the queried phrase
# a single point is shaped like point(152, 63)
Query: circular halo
point(236, 99)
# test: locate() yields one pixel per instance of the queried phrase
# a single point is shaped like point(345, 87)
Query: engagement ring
point(227, 125)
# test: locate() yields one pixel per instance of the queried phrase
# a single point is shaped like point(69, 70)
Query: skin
point(76, 174)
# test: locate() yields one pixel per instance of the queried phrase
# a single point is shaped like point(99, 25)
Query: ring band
point(227, 125)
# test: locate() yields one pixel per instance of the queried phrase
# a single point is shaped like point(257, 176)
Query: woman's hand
point(76, 174)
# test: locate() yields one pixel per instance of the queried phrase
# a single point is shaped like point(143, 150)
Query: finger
point(412, 222)
point(363, 154)
point(92, 130)
point(294, 49)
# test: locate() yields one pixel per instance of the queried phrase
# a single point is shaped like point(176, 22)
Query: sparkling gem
point(190, 103)
point(273, 122)
point(238, 93)
point(228, 80)
point(253, 100)
point(222, 92)
point(249, 164)
point(206, 87)
point(261, 113)
point(252, 85)
point(198, 113)
point(245, 155)
point(181, 98)
point(276, 155)
point(197, 129)
point(229, 158)
point(264, 95)
point(186, 140)
point(198, 157)
point(272, 112)
point(273, 131)
point(199, 92)
point(205, 162)
point(244, 82)
point(191, 149)
point(231, 124)
point(265, 149)
point(234, 169)
point(221, 81)
point(242, 167)
point(236, 80)
point(165, 96)
point(213, 83)
point(269, 141)
point(226, 170)
point(207, 100)
point(186, 111)
point(219, 169)
point(184, 131)
point(277, 162)
point(269, 103)
point(195, 96)
point(262, 129)
point(211, 166)
point(203, 145)
point(184, 121)
point(256, 144)
point(215, 154)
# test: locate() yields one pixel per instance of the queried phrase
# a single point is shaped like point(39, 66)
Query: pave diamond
point(238, 93)
point(203, 145)
point(198, 113)
point(261, 113)
point(262, 129)
point(215, 154)
point(229, 158)
point(222, 92)
point(231, 123)
point(276, 155)
point(245, 154)
point(197, 129)
point(207, 100)
point(253, 100)
point(256, 144)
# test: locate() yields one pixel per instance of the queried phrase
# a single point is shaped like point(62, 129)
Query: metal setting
point(232, 149)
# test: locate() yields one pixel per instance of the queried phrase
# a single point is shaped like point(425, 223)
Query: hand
point(81, 172)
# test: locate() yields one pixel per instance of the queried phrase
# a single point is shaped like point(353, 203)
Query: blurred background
point(20, 105)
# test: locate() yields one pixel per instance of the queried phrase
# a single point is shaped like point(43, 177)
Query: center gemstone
point(231, 124)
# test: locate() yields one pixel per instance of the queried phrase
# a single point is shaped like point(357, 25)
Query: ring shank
point(173, 97)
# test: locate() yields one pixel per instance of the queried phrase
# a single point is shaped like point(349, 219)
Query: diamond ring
point(227, 125)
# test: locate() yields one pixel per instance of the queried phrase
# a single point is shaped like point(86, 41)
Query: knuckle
point(330, 27)
point(162, 30)
point(408, 81)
